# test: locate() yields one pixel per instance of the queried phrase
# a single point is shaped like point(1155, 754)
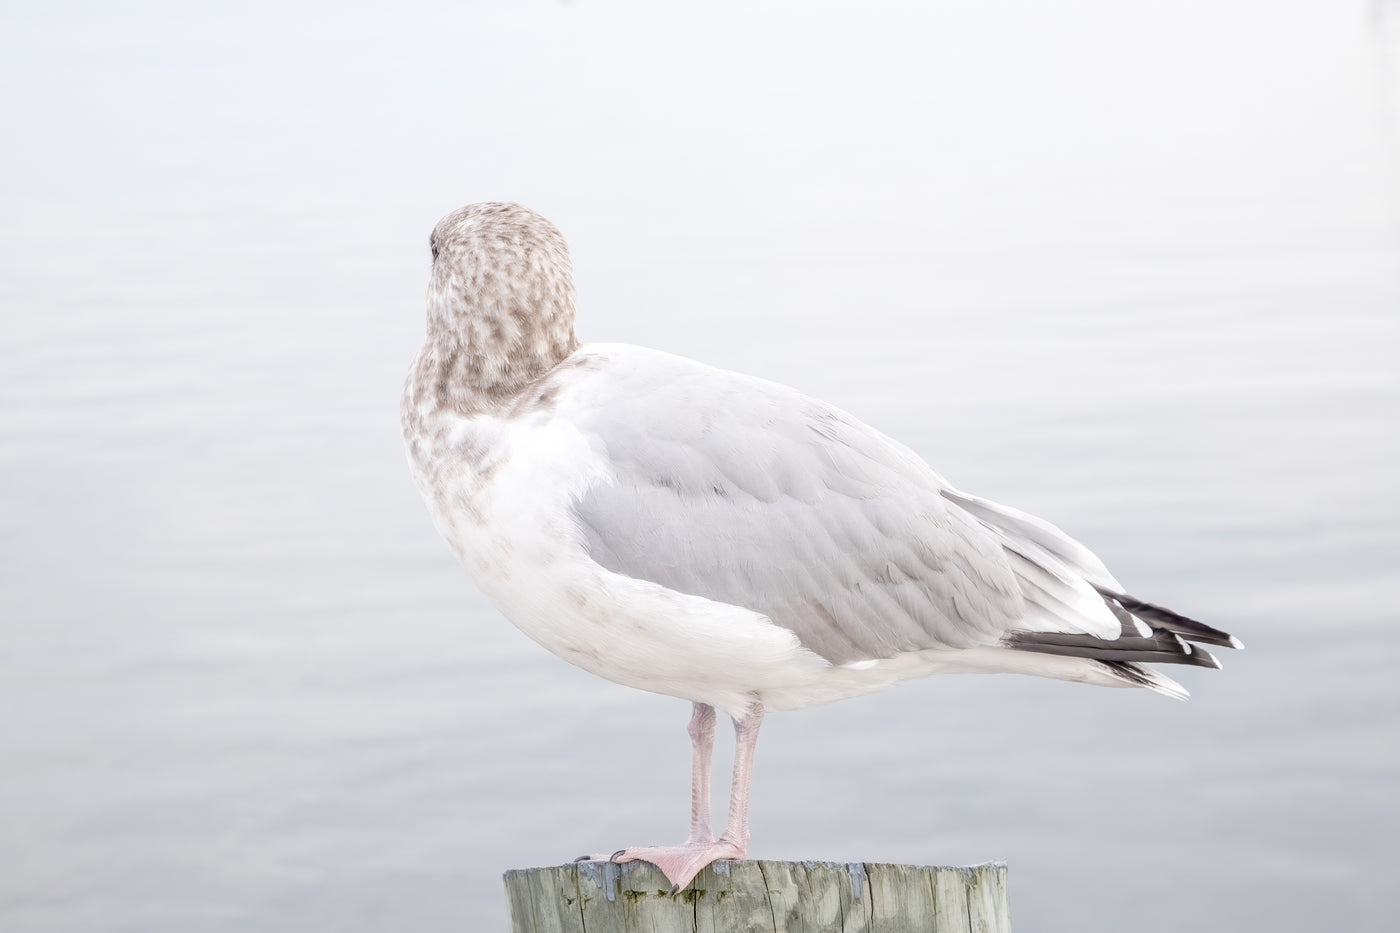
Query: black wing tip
point(1164, 618)
point(1162, 648)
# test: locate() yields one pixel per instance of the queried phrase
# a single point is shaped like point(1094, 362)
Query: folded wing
point(749, 493)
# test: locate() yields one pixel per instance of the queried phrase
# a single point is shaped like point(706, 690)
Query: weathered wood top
point(760, 897)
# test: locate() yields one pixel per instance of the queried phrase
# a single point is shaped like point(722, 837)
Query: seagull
point(723, 539)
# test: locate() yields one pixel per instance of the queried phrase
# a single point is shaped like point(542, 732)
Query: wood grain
point(760, 897)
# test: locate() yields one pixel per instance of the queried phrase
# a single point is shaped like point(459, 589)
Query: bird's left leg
point(745, 742)
point(682, 863)
point(702, 745)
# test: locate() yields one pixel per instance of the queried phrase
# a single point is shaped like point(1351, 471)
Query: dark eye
point(432, 245)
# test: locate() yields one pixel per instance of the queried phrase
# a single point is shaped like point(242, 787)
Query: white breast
point(501, 494)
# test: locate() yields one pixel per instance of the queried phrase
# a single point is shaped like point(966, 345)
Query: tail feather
point(1146, 677)
point(1149, 633)
point(1059, 577)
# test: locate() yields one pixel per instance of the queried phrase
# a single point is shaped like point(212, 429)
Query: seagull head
point(501, 294)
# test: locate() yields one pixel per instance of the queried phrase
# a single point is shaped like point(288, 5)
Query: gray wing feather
point(745, 492)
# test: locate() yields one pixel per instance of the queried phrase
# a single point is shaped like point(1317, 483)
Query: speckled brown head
point(500, 301)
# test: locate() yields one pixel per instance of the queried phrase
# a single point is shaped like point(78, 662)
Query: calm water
point(1133, 267)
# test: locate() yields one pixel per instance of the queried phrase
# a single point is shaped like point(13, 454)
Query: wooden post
point(760, 897)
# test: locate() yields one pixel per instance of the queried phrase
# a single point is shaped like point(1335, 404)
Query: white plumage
point(719, 538)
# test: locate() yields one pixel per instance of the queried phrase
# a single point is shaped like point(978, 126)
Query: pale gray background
point(1131, 265)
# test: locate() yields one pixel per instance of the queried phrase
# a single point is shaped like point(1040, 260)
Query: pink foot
point(680, 864)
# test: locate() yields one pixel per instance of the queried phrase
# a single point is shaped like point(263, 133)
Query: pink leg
point(682, 863)
point(702, 742)
point(745, 741)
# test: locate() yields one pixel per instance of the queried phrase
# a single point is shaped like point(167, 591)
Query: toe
point(680, 864)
